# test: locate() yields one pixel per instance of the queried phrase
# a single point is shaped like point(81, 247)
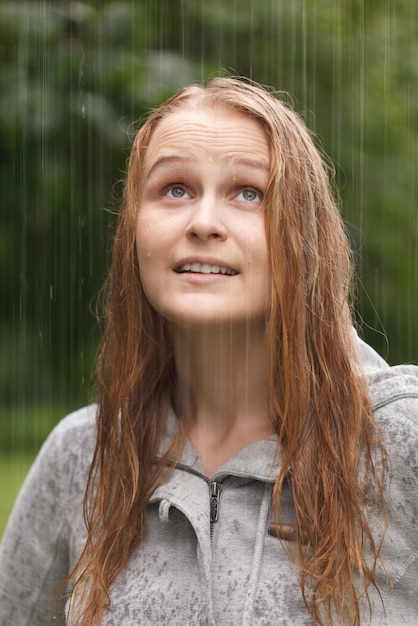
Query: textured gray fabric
point(180, 575)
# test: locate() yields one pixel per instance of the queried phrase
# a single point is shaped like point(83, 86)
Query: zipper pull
point(215, 494)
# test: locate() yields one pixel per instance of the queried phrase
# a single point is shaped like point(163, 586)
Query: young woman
point(250, 460)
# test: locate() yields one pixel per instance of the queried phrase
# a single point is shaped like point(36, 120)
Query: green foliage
point(24, 428)
point(75, 77)
point(13, 469)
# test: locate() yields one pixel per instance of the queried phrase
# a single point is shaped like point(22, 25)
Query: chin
point(217, 322)
point(199, 321)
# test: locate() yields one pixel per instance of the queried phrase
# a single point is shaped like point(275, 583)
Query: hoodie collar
point(260, 460)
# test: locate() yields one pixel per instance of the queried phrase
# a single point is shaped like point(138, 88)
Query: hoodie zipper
point(215, 490)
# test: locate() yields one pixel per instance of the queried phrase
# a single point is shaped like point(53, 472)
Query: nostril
point(197, 234)
point(205, 225)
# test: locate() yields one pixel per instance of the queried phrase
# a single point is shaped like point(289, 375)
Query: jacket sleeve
point(395, 396)
point(34, 554)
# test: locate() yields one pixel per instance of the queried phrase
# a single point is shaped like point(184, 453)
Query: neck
point(223, 391)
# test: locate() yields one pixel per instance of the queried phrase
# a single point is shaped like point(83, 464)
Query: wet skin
point(200, 230)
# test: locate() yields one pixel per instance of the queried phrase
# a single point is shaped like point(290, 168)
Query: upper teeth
point(206, 268)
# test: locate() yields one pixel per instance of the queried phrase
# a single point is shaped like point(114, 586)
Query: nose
point(206, 221)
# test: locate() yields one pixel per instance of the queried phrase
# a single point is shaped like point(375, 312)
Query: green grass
point(23, 429)
point(13, 469)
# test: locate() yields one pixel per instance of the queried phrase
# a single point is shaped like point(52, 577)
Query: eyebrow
point(252, 164)
point(171, 161)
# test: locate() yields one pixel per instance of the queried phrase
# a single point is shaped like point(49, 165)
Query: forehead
point(216, 134)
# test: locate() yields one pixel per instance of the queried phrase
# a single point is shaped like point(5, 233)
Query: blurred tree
point(74, 77)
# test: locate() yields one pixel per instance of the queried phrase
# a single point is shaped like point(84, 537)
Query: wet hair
point(333, 457)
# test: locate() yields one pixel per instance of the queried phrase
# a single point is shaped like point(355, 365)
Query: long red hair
point(318, 395)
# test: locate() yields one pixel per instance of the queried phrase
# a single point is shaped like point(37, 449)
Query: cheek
point(154, 233)
point(152, 248)
point(145, 254)
point(258, 263)
point(257, 252)
point(148, 275)
point(148, 240)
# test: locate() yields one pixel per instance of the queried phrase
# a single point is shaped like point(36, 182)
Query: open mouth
point(205, 268)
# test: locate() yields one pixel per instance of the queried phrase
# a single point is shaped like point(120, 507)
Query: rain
point(77, 77)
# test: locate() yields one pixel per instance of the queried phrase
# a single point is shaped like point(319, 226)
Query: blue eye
point(177, 192)
point(249, 195)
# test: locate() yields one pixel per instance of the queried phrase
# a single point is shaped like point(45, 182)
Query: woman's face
point(200, 232)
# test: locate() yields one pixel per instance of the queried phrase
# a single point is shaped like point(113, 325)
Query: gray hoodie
point(208, 558)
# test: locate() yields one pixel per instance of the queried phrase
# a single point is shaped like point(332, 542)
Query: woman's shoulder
point(78, 427)
point(46, 522)
point(396, 389)
point(394, 397)
point(393, 390)
point(78, 421)
point(67, 452)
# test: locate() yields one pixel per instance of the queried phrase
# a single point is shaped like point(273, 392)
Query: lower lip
point(199, 278)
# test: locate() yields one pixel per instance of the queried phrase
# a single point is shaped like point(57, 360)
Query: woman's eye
point(175, 191)
point(249, 195)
